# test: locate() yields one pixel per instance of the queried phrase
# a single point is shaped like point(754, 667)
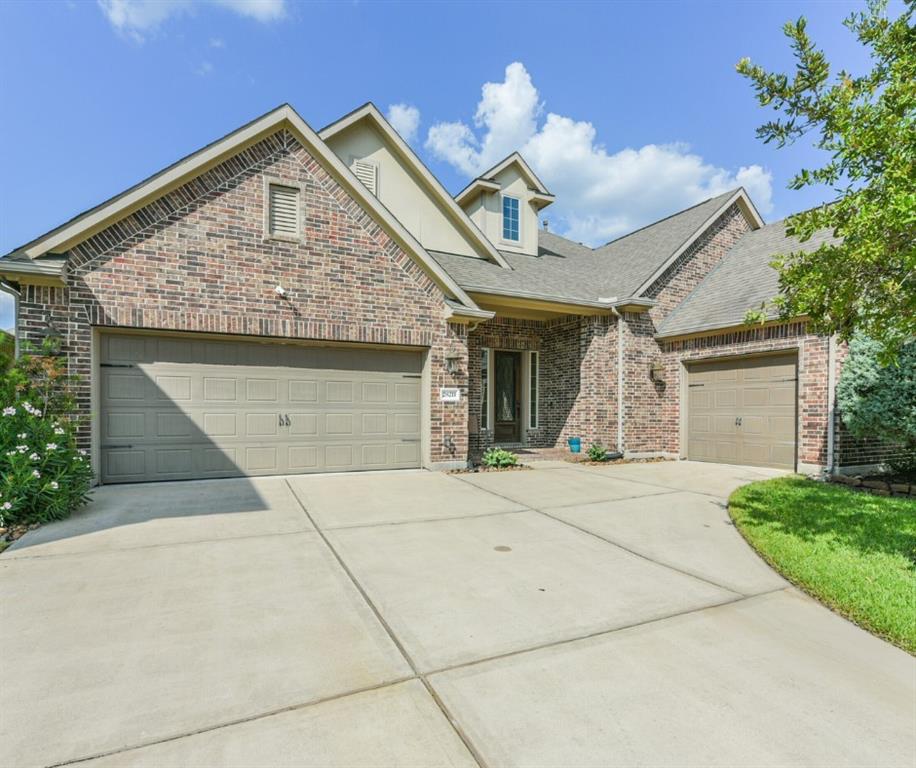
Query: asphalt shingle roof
point(636, 256)
point(570, 271)
point(743, 280)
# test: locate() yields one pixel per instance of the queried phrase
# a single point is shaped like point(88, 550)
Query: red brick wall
point(577, 369)
point(198, 260)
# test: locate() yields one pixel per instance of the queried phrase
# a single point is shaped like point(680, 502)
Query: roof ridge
point(669, 216)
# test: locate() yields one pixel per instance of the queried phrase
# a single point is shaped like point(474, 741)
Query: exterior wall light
point(453, 364)
point(657, 372)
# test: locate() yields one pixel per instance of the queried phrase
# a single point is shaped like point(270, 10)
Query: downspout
point(7, 288)
point(619, 378)
point(831, 405)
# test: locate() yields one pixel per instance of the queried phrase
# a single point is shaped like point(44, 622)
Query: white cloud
point(217, 42)
point(405, 119)
point(600, 194)
point(205, 68)
point(138, 17)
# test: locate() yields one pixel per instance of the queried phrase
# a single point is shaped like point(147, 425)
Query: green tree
point(867, 125)
point(878, 400)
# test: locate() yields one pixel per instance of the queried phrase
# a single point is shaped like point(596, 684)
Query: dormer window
point(510, 218)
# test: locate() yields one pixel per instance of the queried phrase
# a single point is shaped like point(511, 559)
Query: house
point(286, 300)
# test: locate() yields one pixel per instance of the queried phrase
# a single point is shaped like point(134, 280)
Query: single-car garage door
point(181, 408)
point(743, 411)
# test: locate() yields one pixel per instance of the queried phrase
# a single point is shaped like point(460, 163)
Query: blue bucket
point(575, 444)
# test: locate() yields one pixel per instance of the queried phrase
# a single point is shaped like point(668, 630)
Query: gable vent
point(367, 173)
point(284, 211)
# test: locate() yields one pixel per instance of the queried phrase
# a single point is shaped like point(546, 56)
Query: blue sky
point(628, 111)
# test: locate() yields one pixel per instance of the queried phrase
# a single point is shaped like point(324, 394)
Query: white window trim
point(273, 181)
point(487, 407)
point(502, 220)
point(534, 406)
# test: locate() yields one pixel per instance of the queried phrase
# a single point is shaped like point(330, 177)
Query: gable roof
point(564, 270)
point(370, 112)
point(542, 197)
point(24, 260)
point(639, 258)
point(742, 280)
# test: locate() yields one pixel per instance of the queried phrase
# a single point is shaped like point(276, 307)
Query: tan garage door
point(182, 408)
point(743, 411)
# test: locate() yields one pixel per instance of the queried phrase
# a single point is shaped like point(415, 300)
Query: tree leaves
point(868, 126)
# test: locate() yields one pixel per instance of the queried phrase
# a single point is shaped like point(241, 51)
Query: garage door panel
point(303, 391)
point(226, 413)
point(743, 411)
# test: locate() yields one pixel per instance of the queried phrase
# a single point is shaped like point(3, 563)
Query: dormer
point(504, 203)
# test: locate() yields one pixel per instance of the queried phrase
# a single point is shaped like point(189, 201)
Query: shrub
point(499, 458)
point(879, 401)
point(597, 452)
point(43, 475)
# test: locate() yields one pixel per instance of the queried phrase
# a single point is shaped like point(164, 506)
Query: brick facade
point(198, 260)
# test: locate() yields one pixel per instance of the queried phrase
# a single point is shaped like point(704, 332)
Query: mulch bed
point(585, 460)
point(481, 468)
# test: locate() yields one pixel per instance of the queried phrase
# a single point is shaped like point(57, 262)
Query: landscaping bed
point(854, 552)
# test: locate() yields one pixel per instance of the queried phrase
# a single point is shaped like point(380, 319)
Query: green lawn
point(853, 551)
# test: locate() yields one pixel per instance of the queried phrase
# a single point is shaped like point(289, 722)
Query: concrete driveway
point(567, 615)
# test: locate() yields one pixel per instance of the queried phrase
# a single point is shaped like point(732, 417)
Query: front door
point(508, 397)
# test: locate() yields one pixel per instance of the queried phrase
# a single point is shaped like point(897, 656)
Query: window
point(534, 376)
point(367, 173)
point(510, 218)
point(283, 211)
point(484, 388)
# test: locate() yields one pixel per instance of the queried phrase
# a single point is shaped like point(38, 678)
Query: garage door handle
point(738, 421)
point(284, 419)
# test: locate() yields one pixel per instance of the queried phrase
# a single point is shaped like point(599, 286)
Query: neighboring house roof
point(742, 280)
point(23, 261)
point(371, 112)
point(542, 197)
point(641, 257)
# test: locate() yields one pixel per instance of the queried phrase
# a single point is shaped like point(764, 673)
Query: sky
point(627, 111)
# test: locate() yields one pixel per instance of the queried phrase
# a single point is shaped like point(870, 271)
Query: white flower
point(54, 485)
point(36, 473)
point(51, 446)
point(11, 453)
point(58, 430)
point(34, 457)
point(22, 448)
point(6, 507)
point(9, 411)
point(22, 435)
point(82, 452)
point(79, 458)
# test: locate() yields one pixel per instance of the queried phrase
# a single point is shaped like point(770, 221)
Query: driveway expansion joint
point(614, 543)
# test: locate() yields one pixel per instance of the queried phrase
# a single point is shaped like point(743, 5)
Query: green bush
point(498, 458)
point(597, 452)
point(43, 475)
point(879, 401)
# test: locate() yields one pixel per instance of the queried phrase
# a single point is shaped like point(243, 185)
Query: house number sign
point(449, 395)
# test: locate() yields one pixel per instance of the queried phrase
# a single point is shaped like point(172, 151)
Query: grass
point(853, 551)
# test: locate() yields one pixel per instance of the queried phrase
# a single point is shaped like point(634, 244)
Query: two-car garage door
point(743, 411)
point(182, 408)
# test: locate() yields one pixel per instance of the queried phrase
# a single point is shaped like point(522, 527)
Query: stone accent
point(198, 260)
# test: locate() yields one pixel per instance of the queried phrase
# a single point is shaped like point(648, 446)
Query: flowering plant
point(43, 474)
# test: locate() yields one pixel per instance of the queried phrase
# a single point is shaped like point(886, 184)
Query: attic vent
point(367, 173)
point(283, 218)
